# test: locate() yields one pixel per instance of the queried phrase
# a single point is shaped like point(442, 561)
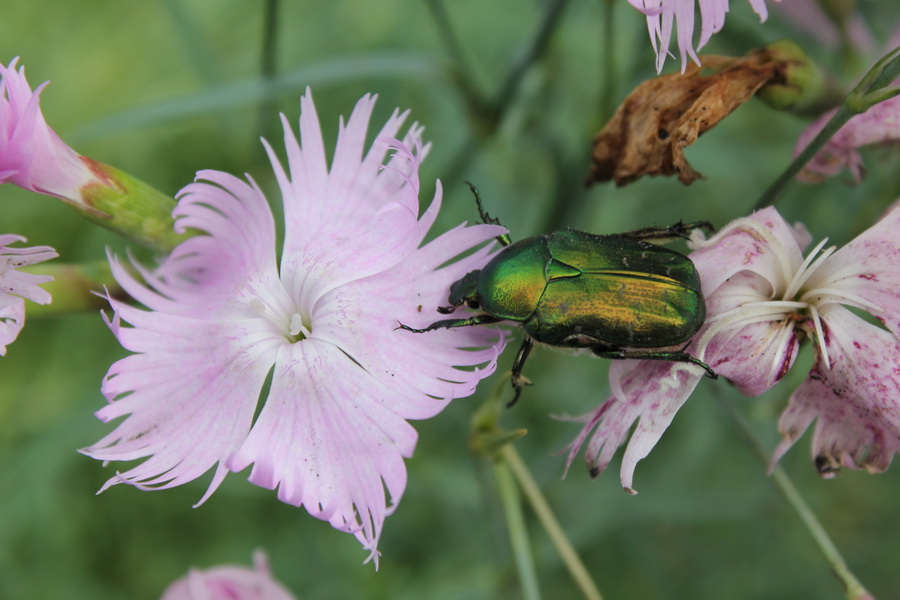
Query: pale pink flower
point(878, 125)
point(230, 582)
point(16, 286)
point(662, 15)
point(32, 156)
point(763, 298)
point(225, 314)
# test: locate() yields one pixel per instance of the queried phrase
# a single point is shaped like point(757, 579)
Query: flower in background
point(225, 316)
point(663, 14)
point(229, 582)
point(762, 299)
point(31, 154)
point(16, 286)
point(878, 125)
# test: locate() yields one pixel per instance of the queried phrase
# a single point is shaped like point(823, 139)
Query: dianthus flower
point(225, 315)
point(878, 125)
point(32, 156)
point(16, 286)
point(763, 297)
point(230, 582)
point(663, 14)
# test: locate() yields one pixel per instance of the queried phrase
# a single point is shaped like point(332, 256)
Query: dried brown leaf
point(662, 116)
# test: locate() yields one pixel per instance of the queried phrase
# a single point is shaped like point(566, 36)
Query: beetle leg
point(450, 323)
point(678, 230)
point(604, 352)
point(487, 219)
point(518, 380)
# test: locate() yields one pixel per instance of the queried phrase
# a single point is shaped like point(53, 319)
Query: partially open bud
point(33, 157)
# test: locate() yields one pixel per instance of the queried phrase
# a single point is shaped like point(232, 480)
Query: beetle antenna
point(485, 217)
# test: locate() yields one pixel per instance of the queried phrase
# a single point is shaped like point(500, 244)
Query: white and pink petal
point(855, 403)
point(330, 440)
point(187, 396)
point(646, 392)
point(762, 243)
point(867, 268)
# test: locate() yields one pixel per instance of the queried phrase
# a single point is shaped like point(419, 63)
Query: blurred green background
point(163, 88)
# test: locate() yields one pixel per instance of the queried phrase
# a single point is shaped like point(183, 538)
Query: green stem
point(839, 119)
point(74, 288)
point(532, 53)
point(268, 67)
point(852, 586)
point(608, 93)
point(518, 532)
point(449, 39)
point(488, 115)
point(869, 92)
point(545, 515)
point(129, 207)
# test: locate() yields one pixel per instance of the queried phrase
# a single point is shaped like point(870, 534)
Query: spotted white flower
point(17, 286)
point(225, 315)
point(662, 15)
point(878, 125)
point(763, 298)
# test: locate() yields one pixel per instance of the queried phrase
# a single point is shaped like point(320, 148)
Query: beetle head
point(464, 291)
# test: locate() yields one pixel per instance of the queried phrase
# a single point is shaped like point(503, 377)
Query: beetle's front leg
point(450, 323)
point(605, 352)
point(504, 239)
point(678, 230)
point(518, 380)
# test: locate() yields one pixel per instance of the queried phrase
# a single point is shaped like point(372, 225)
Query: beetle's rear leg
point(518, 380)
point(450, 323)
point(487, 219)
point(678, 230)
point(605, 352)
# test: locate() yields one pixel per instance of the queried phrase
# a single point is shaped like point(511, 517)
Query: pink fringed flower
point(663, 14)
point(225, 314)
point(878, 125)
point(31, 154)
point(15, 286)
point(230, 582)
point(762, 299)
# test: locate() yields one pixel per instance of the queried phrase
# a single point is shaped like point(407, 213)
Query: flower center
point(293, 325)
point(298, 328)
point(795, 307)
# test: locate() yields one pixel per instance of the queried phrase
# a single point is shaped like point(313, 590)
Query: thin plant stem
point(852, 586)
point(867, 93)
point(450, 40)
point(609, 75)
point(268, 64)
point(518, 531)
point(839, 119)
point(533, 52)
point(490, 114)
point(545, 515)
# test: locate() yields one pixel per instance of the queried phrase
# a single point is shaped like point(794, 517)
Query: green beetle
point(617, 295)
